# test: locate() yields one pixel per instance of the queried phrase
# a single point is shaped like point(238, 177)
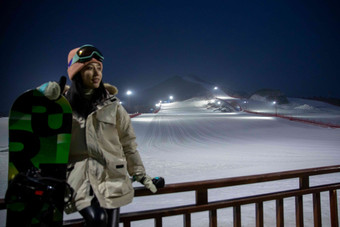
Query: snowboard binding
point(34, 197)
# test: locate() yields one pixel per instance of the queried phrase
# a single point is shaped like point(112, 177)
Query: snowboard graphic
point(39, 140)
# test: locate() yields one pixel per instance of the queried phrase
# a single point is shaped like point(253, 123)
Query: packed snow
point(186, 141)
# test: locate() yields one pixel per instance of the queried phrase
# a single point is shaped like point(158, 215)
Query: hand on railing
point(146, 181)
point(150, 183)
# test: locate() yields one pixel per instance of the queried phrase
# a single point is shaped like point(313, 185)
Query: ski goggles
point(86, 53)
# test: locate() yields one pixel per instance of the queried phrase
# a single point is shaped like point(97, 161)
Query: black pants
point(96, 216)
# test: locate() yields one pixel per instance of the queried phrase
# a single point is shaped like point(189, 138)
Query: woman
point(103, 149)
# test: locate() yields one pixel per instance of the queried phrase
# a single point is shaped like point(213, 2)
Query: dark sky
point(291, 45)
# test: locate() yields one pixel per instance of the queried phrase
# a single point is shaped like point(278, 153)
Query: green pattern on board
point(39, 137)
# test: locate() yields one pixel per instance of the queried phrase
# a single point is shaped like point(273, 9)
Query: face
point(91, 75)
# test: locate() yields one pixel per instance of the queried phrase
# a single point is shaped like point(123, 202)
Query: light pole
point(129, 93)
point(245, 104)
point(275, 105)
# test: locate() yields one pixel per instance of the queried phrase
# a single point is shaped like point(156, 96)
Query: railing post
point(201, 196)
point(334, 208)
point(127, 224)
point(187, 220)
point(212, 218)
point(237, 216)
point(299, 211)
point(303, 184)
point(279, 213)
point(317, 209)
point(259, 214)
point(158, 222)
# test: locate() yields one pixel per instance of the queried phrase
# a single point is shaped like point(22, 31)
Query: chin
point(95, 86)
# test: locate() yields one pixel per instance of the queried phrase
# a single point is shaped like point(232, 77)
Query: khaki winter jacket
point(102, 156)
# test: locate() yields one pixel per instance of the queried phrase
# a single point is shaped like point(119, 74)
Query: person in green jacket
point(103, 151)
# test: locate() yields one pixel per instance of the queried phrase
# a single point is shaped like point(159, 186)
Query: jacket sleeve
point(128, 140)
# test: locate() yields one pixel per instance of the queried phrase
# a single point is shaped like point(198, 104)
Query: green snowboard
point(39, 140)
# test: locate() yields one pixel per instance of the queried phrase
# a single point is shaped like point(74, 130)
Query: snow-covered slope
point(297, 108)
point(185, 141)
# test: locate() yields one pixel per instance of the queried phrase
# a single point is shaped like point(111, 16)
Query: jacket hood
point(113, 90)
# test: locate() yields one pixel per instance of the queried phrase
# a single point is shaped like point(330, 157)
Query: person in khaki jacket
point(103, 149)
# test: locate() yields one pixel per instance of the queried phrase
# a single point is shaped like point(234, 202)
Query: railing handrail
point(201, 189)
point(234, 181)
point(227, 202)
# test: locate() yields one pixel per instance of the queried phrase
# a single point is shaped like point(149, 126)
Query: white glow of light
point(255, 118)
point(129, 92)
point(215, 88)
point(171, 97)
point(225, 97)
point(141, 119)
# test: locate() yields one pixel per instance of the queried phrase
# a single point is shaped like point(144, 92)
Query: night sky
point(290, 45)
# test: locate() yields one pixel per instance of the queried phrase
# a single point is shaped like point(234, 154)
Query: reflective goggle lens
point(89, 51)
point(86, 53)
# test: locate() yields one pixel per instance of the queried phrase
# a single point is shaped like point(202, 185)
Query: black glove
point(159, 182)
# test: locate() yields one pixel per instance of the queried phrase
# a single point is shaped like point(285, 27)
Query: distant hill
point(181, 88)
point(177, 86)
point(269, 95)
point(330, 100)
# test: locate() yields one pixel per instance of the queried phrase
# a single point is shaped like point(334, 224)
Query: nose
point(95, 72)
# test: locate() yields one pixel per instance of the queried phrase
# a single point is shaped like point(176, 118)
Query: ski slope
point(213, 145)
point(185, 141)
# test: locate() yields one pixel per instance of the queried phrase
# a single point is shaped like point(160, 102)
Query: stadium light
point(274, 102)
point(129, 93)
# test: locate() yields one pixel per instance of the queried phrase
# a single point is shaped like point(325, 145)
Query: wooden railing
point(202, 201)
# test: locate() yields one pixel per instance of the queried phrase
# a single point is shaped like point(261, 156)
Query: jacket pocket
point(117, 182)
point(116, 169)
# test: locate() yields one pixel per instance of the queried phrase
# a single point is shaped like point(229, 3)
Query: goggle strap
point(76, 58)
point(91, 56)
